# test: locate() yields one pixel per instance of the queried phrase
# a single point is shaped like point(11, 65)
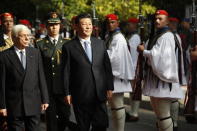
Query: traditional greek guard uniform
point(174, 110)
point(162, 81)
point(123, 72)
point(133, 41)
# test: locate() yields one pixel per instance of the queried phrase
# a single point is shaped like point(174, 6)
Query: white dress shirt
point(83, 40)
point(54, 38)
point(18, 52)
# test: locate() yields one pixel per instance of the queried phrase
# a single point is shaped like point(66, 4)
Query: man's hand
point(68, 99)
point(44, 107)
point(109, 95)
point(3, 112)
point(140, 48)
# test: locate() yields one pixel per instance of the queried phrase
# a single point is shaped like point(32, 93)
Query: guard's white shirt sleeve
point(134, 41)
point(162, 58)
point(121, 62)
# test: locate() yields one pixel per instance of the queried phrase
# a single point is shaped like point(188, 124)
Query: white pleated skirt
point(121, 86)
point(156, 88)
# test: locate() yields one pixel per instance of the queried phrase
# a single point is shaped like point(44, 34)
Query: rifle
point(189, 111)
point(137, 84)
point(95, 22)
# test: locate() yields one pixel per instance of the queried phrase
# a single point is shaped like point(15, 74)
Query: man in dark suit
point(23, 90)
point(87, 77)
point(58, 113)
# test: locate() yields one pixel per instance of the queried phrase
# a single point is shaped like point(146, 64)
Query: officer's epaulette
point(67, 38)
point(39, 40)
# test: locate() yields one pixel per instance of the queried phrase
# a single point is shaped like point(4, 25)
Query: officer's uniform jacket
point(5, 42)
point(51, 55)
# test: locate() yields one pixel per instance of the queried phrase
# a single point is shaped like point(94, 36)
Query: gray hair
point(18, 28)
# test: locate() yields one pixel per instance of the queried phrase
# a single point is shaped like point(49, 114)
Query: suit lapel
point(29, 59)
point(15, 60)
point(80, 48)
point(59, 43)
point(49, 46)
point(57, 47)
point(48, 42)
point(94, 47)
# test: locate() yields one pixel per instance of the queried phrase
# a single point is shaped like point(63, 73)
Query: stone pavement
point(147, 122)
point(146, 118)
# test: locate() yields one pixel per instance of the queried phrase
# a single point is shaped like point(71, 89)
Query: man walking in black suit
point(23, 90)
point(88, 79)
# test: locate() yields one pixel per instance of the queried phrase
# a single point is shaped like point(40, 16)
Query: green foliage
point(31, 9)
point(74, 7)
point(124, 8)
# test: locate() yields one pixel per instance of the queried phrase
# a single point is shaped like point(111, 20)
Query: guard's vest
point(110, 38)
point(178, 49)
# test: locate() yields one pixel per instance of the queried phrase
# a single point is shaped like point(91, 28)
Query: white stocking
point(162, 111)
point(174, 111)
point(118, 112)
point(134, 106)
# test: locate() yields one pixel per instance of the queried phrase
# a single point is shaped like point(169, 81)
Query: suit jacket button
point(52, 58)
point(53, 74)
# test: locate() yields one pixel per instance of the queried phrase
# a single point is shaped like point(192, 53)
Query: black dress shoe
point(130, 118)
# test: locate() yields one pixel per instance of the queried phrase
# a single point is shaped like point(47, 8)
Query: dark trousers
point(24, 123)
point(91, 115)
point(58, 113)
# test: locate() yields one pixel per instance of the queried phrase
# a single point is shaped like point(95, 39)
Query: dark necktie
point(22, 58)
point(54, 41)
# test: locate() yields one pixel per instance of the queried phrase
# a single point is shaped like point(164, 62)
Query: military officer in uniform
point(7, 23)
point(58, 113)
